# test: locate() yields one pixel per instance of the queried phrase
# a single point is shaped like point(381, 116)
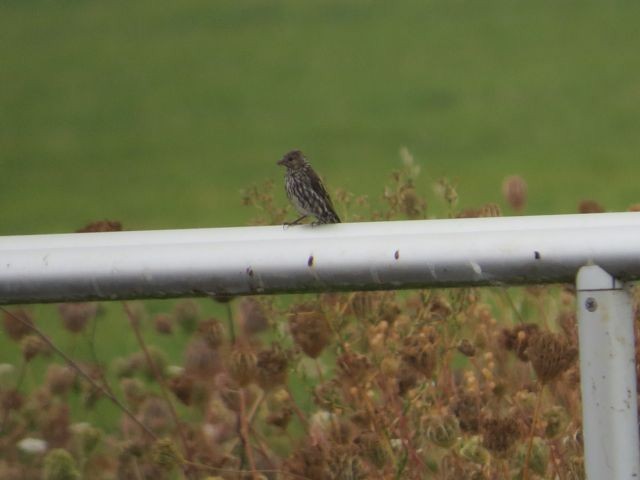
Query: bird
point(305, 190)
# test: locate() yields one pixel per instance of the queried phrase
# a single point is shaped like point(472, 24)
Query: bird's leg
point(296, 221)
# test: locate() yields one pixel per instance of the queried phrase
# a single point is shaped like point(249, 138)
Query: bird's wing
point(318, 186)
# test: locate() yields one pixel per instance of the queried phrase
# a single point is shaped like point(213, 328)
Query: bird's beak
point(281, 161)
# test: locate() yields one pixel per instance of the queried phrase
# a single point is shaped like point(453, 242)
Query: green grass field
point(158, 113)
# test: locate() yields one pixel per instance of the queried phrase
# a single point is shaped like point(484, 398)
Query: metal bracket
point(608, 376)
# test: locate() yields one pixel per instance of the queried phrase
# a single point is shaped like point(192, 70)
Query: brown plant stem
point(21, 377)
point(231, 323)
point(83, 374)
point(556, 455)
point(505, 470)
point(296, 409)
point(94, 355)
point(262, 447)
point(244, 434)
point(525, 468)
point(159, 379)
point(318, 370)
point(380, 430)
point(250, 417)
point(405, 434)
point(240, 471)
point(513, 306)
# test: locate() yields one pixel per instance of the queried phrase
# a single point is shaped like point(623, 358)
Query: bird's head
point(293, 159)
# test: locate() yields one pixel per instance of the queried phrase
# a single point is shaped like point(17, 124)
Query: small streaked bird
point(305, 190)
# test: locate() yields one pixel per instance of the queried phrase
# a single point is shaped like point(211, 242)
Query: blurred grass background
point(157, 113)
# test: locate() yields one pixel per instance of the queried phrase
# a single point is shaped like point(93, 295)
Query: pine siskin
point(305, 189)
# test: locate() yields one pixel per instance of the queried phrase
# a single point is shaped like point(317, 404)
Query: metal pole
point(355, 256)
point(608, 376)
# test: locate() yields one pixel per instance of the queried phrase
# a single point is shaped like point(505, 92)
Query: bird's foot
point(295, 222)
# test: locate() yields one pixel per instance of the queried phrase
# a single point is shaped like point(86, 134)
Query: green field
point(158, 113)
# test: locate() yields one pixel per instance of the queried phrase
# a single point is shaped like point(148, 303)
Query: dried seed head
point(158, 357)
point(466, 348)
point(252, 316)
point(556, 419)
point(443, 430)
point(75, 316)
point(499, 434)
point(165, 454)
point(590, 206)
point(156, 415)
point(201, 360)
point(11, 400)
point(490, 210)
point(87, 436)
point(17, 323)
point(55, 425)
point(451, 468)
point(163, 324)
point(306, 462)
point(389, 311)
point(406, 378)
point(340, 431)
point(466, 408)
point(131, 449)
point(445, 189)
point(371, 449)
point(538, 457)
point(212, 331)
point(517, 339)
point(182, 387)
point(438, 309)
point(134, 391)
point(59, 379)
point(242, 365)
point(469, 213)
point(361, 304)
point(486, 210)
point(411, 204)
point(125, 367)
point(272, 367)
point(473, 451)
point(186, 313)
point(342, 462)
point(514, 190)
point(101, 226)
point(60, 465)
point(354, 368)
point(326, 395)
point(32, 346)
point(309, 328)
point(280, 418)
point(420, 353)
point(550, 355)
point(389, 366)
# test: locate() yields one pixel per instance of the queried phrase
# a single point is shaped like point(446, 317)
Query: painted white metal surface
point(246, 260)
point(608, 376)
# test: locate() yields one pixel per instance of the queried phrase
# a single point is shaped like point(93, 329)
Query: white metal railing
point(604, 248)
point(381, 255)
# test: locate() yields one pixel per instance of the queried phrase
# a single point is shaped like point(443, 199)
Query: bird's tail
point(331, 217)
